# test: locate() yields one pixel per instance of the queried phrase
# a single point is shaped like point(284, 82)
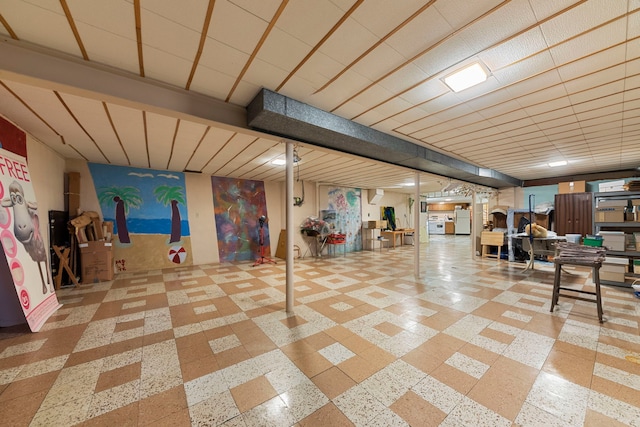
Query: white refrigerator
point(462, 218)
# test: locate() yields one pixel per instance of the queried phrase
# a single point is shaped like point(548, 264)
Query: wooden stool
point(595, 265)
point(63, 256)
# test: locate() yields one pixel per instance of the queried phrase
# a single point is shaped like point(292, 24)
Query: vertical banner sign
point(23, 243)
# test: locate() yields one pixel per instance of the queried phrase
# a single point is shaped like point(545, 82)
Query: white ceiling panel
point(93, 117)
point(129, 125)
point(580, 19)
point(382, 67)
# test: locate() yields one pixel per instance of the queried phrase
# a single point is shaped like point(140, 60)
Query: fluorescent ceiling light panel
point(556, 164)
point(466, 77)
point(279, 162)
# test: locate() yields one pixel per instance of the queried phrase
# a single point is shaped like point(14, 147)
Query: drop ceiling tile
point(547, 115)
point(212, 82)
point(189, 135)
point(264, 9)
point(440, 58)
point(110, 17)
point(589, 43)
point(412, 39)
point(236, 27)
point(108, 48)
point(381, 17)
point(26, 119)
point(263, 74)
point(129, 125)
point(282, 50)
point(211, 144)
point(580, 19)
point(93, 118)
point(597, 113)
point(518, 48)
point(381, 61)
point(319, 69)
point(535, 67)
point(160, 133)
point(162, 66)
point(309, 20)
point(599, 78)
point(168, 36)
point(234, 61)
point(507, 20)
point(540, 98)
point(348, 42)
point(33, 22)
point(461, 12)
point(598, 97)
point(593, 63)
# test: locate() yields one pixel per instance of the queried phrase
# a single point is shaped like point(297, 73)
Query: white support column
point(416, 226)
point(289, 227)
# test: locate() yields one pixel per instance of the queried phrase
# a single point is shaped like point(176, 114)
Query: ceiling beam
point(279, 115)
point(29, 64)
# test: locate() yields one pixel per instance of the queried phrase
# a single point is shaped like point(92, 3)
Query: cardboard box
point(614, 240)
point(614, 269)
point(572, 187)
point(611, 203)
point(610, 214)
point(97, 261)
point(606, 187)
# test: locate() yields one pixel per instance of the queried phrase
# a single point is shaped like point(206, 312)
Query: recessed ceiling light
point(279, 162)
point(466, 77)
point(555, 164)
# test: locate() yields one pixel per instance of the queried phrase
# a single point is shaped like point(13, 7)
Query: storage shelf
point(626, 224)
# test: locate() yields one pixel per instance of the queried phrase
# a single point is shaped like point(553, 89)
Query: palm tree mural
point(168, 195)
point(124, 198)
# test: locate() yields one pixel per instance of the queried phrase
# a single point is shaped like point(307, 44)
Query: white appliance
point(435, 226)
point(462, 219)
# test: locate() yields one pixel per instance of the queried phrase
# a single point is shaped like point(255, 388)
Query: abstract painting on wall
point(149, 211)
point(238, 205)
point(346, 202)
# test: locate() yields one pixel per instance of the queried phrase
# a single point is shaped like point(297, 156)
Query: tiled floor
point(470, 343)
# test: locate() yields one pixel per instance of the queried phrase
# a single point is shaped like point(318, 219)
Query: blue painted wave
point(151, 226)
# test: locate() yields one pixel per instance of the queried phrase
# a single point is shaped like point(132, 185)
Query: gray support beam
point(28, 64)
point(276, 114)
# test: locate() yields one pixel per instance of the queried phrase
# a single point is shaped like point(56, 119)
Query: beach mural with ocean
point(148, 209)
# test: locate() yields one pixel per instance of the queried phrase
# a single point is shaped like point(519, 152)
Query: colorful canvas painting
point(346, 202)
point(149, 211)
point(238, 205)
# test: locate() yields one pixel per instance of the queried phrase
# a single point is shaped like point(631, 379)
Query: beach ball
point(177, 254)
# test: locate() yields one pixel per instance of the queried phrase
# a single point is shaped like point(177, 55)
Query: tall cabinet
point(573, 213)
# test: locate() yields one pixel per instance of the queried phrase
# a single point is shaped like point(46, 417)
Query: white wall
point(202, 226)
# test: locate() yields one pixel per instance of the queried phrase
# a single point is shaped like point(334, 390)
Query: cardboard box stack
point(96, 256)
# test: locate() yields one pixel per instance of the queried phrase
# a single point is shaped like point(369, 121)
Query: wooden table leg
point(596, 280)
point(556, 286)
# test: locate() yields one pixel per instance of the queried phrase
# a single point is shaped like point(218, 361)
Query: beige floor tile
point(125, 416)
point(312, 364)
point(253, 393)
point(596, 419)
point(162, 405)
point(118, 376)
point(333, 382)
point(454, 378)
point(328, 415)
point(570, 367)
point(504, 393)
point(416, 411)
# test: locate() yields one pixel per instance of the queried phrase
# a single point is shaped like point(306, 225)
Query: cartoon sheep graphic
point(26, 228)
